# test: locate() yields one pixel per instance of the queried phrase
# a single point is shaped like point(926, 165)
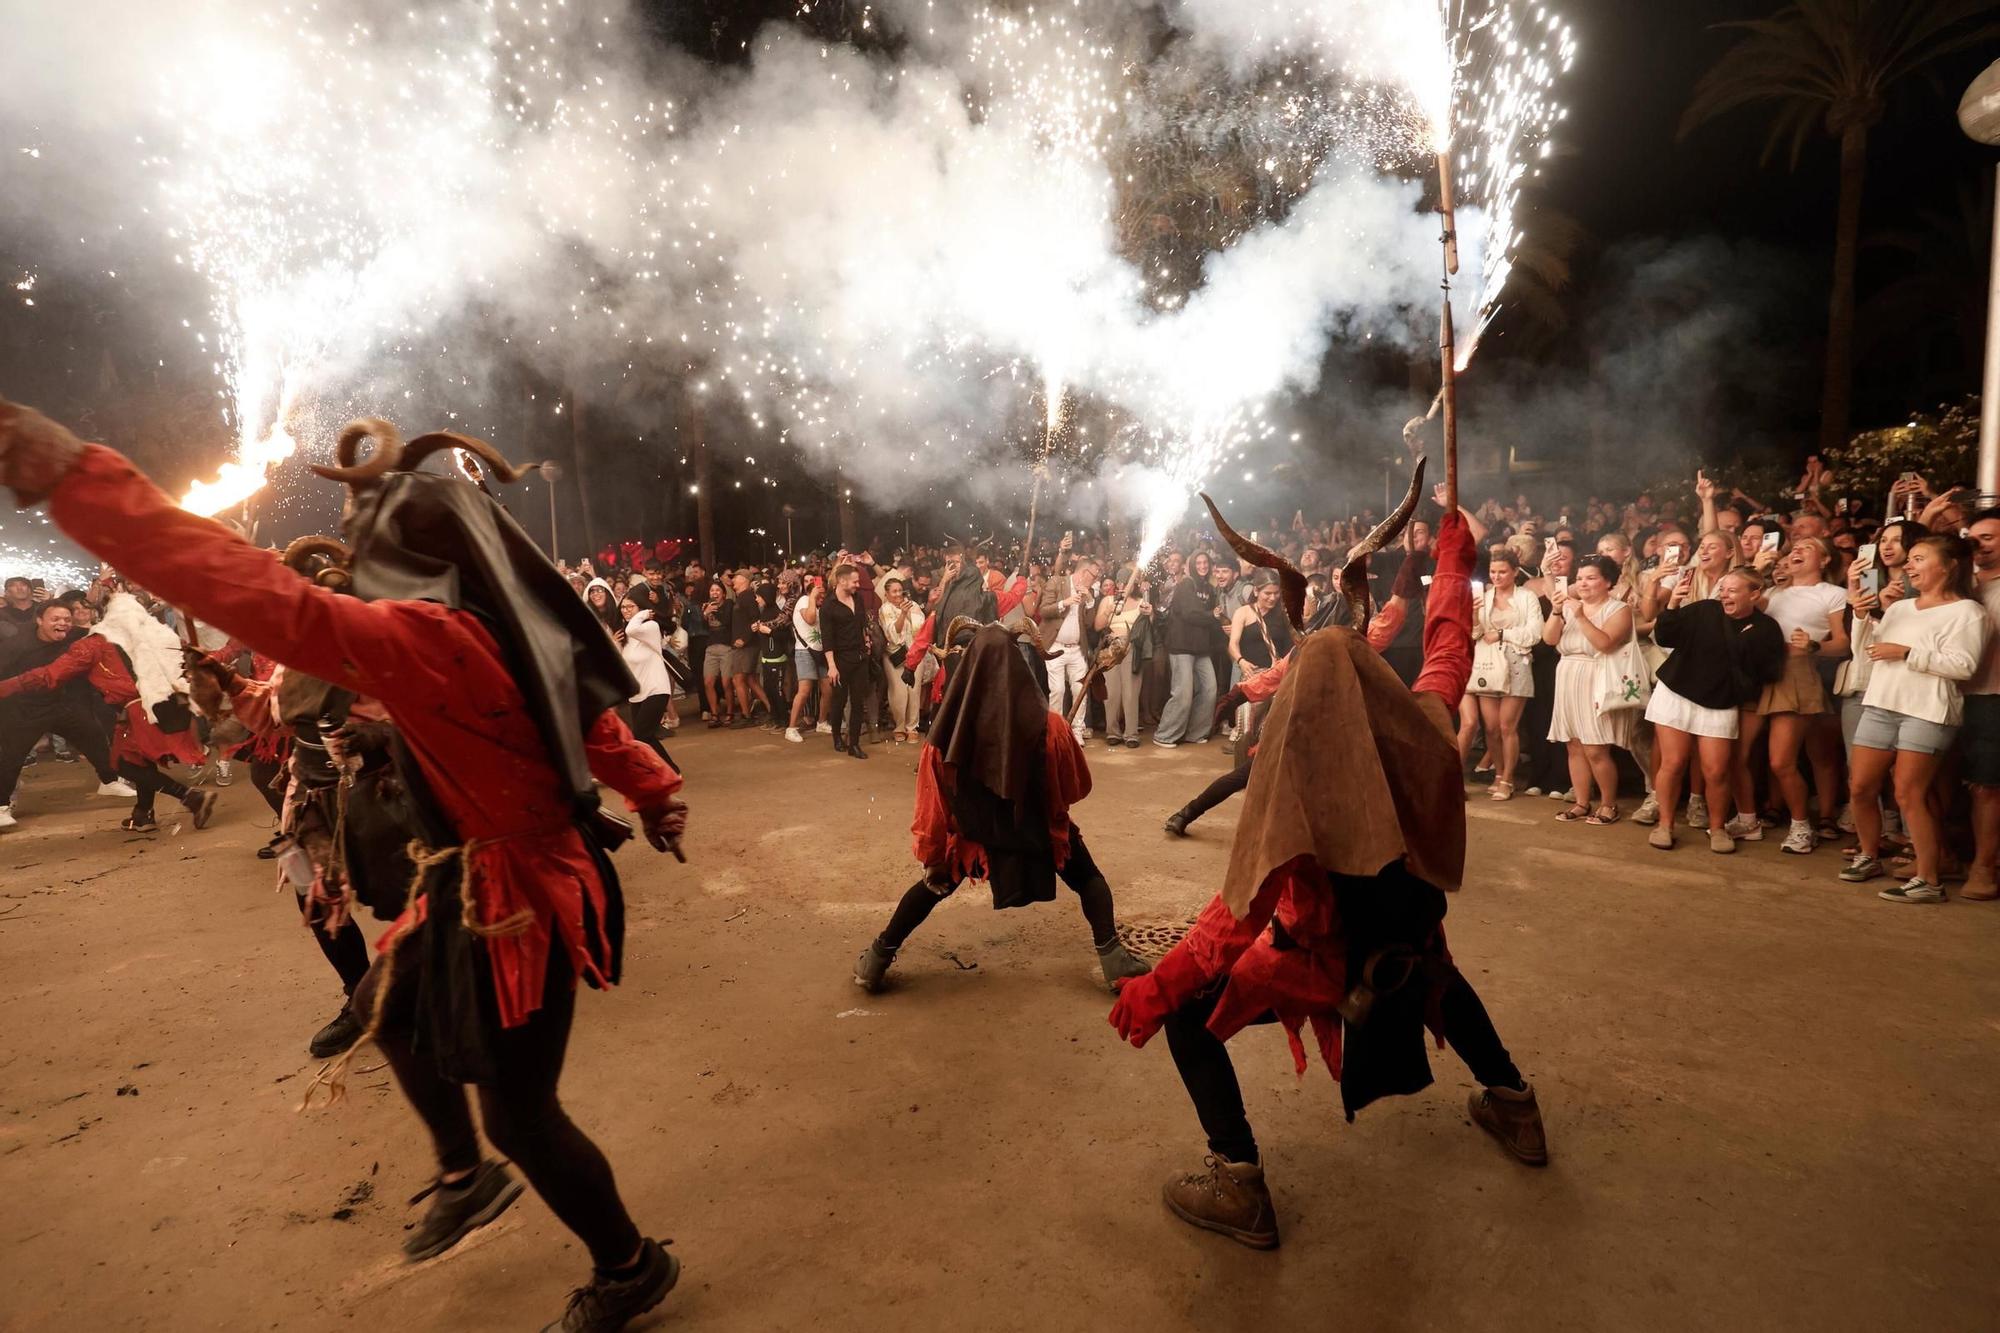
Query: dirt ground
point(1769, 1096)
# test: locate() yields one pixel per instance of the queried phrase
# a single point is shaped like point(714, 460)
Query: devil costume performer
point(502, 688)
point(134, 664)
point(995, 783)
point(1331, 916)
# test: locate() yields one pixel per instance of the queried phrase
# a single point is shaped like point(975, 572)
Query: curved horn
point(492, 460)
point(1291, 583)
point(298, 556)
point(1354, 574)
point(942, 648)
point(388, 452)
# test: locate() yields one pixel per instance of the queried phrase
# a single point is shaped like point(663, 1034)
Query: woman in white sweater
point(641, 645)
point(1507, 624)
point(1925, 646)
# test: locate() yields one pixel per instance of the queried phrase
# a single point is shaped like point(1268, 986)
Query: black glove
point(1228, 704)
point(910, 676)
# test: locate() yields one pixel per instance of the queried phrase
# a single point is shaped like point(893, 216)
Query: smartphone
point(1478, 587)
point(1674, 553)
point(1561, 586)
point(1771, 540)
point(1864, 556)
point(1871, 581)
point(38, 584)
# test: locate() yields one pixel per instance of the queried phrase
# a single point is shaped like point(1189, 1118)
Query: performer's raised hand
point(35, 452)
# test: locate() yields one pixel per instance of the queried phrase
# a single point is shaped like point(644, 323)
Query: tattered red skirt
point(136, 738)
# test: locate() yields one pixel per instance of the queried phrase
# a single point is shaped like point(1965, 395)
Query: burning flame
point(242, 477)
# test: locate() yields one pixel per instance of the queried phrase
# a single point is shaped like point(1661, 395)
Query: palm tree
point(1830, 66)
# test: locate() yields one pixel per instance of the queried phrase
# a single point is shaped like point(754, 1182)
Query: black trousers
point(346, 949)
point(646, 715)
point(150, 782)
point(74, 723)
point(1218, 791)
point(264, 777)
point(524, 1121)
point(1205, 1069)
point(849, 695)
point(1080, 872)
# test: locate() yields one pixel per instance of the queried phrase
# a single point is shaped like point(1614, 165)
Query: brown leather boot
point(1514, 1118)
point(1230, 1198)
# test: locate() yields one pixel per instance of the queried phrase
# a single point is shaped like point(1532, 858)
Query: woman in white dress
point(1507, 623)
point(1586, 626)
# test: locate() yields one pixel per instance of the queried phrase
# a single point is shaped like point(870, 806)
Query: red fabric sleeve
point(1448, 616)
point(1066, 780)
point(198, 564)
point(1387, 624)
point(76, 661)
point(1218, 939)
point(254, 704)
point(629, 768)
point(930, 826)
point(921, 644)
point(1261, 685)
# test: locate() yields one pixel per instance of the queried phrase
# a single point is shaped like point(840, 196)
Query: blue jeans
point(1190, 710)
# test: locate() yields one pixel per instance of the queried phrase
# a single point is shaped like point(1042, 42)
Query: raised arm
point(1448, 615)
point(76, 661)
point(110, 509)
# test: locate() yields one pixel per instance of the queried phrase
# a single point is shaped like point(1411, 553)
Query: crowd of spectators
point(1819, 669)
point(1824, 672)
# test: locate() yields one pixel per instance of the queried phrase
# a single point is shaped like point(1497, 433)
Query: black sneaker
point(457, 1213)
point(1177, 823)
point(608, 1304)
point(337, 1036)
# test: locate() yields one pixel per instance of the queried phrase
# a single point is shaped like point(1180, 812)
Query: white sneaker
point(1845, 820)
point(1916, 889)
point(7, 819)
point(824, 728)
point(1745, 828)
point(792, 735)
point(1698, 812)
point(116, 787)
point(1648, 812)
point(1800, 841)
point(224, 774)
point(1083, 733)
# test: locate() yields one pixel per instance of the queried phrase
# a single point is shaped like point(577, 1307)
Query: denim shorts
point(1881, 729)
point(810, 666)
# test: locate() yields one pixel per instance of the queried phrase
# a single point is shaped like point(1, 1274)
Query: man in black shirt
point(743, 649)
point(69, 711)
point(17, 611)
point(694, 595)
point(844, 639)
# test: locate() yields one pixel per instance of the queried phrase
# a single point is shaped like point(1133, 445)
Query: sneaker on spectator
point(1535, 791)
point(1767, 819)
point(1745, 828)
point(1720, 842)
point(1844, 821)
point(1083, 733)
point(1662, 838)
point(1801, 840)
point(1649, 813)
point(1892, 824)
point(116, 787)
point(1980, 886)
point(1861, 869)
point(1698, 812)
point(824, 728)
point(7, 819)
point(1916, 889)
point(1562, 795)
point(225, 773)
point(792, 735)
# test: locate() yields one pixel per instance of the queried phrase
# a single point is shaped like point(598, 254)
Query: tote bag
point(1623, 678)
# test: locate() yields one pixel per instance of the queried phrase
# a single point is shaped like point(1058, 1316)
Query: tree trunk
point(581, 469)
point(850, 538)
point(1837, 397)
point(694, 435)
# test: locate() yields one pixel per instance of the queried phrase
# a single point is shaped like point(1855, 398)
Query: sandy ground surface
point(1769, 1095)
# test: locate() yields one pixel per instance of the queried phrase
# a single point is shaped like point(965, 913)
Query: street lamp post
point(551, 474)
point(1979, 116)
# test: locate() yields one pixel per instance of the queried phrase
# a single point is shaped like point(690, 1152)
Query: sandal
point(1828, 831)
point(1602, 815)
point(1574, 813)
point(1502, 790)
